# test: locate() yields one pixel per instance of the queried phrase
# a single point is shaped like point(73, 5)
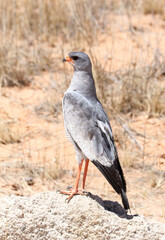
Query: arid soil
point(47, 216)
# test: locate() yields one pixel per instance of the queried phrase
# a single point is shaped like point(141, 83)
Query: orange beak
point(68, 59)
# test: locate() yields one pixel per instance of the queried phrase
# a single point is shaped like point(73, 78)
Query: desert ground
point(126, 43)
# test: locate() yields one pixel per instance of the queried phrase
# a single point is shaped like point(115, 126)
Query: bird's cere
point(68, 59)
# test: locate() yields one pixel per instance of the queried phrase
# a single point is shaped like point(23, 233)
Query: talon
point(66, 200)
point(85, 192)
point(74, 191)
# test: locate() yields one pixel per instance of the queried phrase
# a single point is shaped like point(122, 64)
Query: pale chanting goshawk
point(88, 128)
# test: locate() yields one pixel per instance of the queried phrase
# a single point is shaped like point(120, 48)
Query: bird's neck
point(83, 82)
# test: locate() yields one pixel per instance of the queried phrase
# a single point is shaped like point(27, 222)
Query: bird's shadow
point(110, 206)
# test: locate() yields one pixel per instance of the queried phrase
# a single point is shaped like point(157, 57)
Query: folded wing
point(89, 128)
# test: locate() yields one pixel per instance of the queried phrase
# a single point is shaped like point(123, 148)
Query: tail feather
point(118, 167)
point(110, 175)
point(116, 178)
point(125, 200)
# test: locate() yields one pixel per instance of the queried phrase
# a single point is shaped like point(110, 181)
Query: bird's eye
point(75, 58)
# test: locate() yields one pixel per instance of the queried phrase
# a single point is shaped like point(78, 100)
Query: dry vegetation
point(125, 40)
point(7, 135)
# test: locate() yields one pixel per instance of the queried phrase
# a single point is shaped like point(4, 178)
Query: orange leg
point(85, 173)
point(74, 190)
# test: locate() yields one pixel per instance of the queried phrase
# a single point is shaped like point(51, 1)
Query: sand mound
point(48, 216)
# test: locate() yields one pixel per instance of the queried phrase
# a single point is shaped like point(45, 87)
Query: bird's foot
point(71, 192)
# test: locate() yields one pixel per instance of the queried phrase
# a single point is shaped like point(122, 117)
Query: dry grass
point(20, 63)
point(128, 159)
point(157, 179)
point(154, 7)
point(140, 90)
point(47, 20)
point(137, 88)
point(48, 109)
point(7, 134)
point(26, 26)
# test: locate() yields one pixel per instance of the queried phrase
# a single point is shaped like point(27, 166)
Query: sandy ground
point(48, 216)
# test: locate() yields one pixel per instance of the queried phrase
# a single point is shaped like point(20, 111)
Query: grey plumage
point(87, 125)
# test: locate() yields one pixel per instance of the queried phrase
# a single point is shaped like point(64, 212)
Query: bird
point(88, 128)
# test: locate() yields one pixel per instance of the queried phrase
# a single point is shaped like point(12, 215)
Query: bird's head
point(79, 60)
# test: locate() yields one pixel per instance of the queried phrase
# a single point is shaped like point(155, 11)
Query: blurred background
point(126, 43)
